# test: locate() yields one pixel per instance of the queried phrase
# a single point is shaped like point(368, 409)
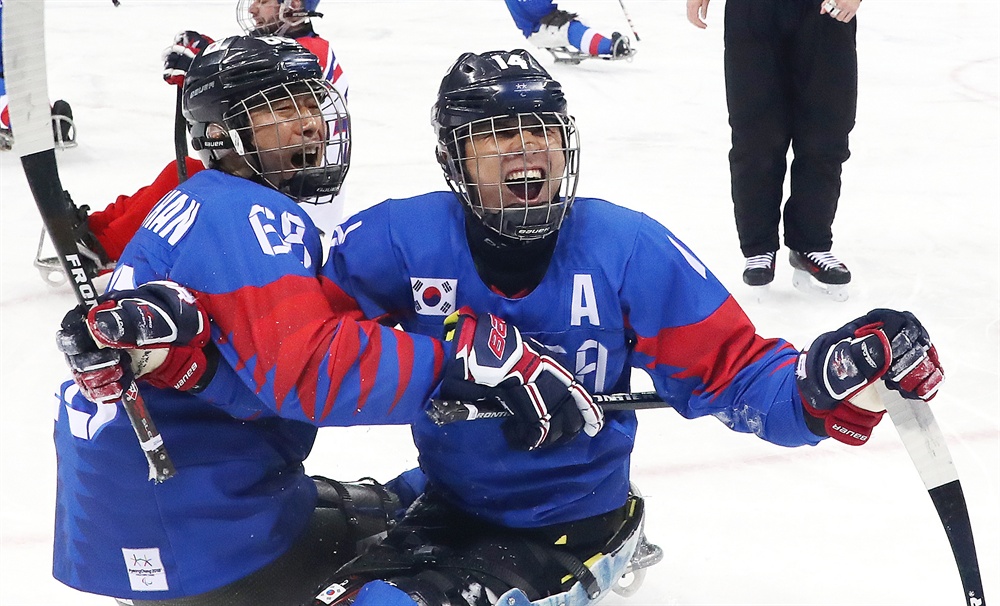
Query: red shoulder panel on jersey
point(713, 350)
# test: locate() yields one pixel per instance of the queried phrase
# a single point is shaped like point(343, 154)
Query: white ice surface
point(741, 521)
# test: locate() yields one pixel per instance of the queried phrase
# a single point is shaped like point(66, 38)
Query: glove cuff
point(185, 368)
point(851, 425)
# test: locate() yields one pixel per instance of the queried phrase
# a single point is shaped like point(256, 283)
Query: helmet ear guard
point(213, 137)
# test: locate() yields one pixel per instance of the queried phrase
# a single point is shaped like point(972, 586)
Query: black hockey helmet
point(478, 90)
point(240, 74)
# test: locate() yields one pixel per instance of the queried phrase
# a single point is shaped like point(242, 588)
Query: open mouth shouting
point(526, 185)
point(306, 157)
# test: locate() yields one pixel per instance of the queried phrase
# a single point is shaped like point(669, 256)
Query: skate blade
point(646, 555)
point(760, 294)
point(629, 583)
point(571, 57)
point(565, 55)
point(51, 271)
point(804, 282)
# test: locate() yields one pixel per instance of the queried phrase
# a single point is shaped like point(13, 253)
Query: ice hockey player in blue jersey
point(562, 34)
point(241, 512)
point(239, 378)
point(604, 289)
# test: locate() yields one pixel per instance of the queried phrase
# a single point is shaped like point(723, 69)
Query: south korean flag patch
point(433, 296)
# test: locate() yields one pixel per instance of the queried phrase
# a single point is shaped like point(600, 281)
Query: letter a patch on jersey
point(433, 296)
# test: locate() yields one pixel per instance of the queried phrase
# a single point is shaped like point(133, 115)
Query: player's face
point(514, 161)
point(289, 134)
point(266, 12)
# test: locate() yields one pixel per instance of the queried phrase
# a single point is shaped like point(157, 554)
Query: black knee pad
point(368, 506)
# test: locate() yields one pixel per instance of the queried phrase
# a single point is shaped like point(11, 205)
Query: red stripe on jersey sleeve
point(369, 367)
point(285, 327)
point(250, 318)
point(344, 354)
point(713, 350)
point(404, 350)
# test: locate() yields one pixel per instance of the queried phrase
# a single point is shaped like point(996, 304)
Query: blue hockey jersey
point(240, 496)
point(621, 292)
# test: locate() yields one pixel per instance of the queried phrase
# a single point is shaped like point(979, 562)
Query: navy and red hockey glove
point(157, 332)
point(492, 362)
point(178, 56)
point(883, 344)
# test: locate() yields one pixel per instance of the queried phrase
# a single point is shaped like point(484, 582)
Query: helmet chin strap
point(515, 225)
point(321, 184)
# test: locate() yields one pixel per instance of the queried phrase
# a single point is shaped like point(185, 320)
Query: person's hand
point(697, 11)
point(157, 331)
point(883, 344)
point(492, 361)
point(841, 10)
point(178, 56)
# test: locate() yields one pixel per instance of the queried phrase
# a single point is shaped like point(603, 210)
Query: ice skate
point(63, 127)
point(820, 273)
point(621, 48)
point(553, 36)
point(758, 273)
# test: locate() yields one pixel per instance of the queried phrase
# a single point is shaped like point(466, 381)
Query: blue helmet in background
point(478, 89)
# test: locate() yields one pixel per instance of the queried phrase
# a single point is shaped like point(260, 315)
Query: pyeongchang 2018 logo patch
point(433, 296)
point(145, 569)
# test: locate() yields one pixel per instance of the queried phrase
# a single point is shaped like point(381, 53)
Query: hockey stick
point(24, 50)
point(180, 137)
point(914, 421)
point(443, 412)
point(924, 442)
point(629, 19)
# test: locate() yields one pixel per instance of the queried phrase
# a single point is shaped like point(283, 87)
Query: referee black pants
point(791, 79)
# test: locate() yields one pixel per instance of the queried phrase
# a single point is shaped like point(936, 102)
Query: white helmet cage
point(310, 171)
point(519, 219)
point(288, 18)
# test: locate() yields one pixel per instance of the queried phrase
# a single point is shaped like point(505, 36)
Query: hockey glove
point(492, 362)
point(178, 56)
point(157, 332)
point(882, 344)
